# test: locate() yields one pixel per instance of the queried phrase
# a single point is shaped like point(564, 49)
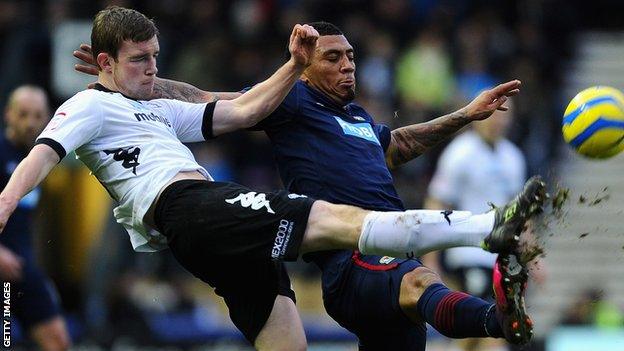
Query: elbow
point(254, 119)
point(251, 117)
point(248, 121)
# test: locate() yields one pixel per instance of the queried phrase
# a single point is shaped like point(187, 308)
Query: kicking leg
point(455, 314)
point(417, 232)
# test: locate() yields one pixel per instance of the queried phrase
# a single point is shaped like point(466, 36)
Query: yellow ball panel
point(603, 144)
point(594, 122)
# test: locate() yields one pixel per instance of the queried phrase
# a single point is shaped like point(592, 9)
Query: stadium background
point(416, 59)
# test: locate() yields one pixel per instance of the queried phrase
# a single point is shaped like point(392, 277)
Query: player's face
point(333, 68)
point(135, 69)
point(26, 115)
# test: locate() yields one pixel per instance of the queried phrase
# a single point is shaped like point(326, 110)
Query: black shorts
point(235, 240)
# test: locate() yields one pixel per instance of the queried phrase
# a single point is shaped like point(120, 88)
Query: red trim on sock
point(445, 311)
point(381, 267)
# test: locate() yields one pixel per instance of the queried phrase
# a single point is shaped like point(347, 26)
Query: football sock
point(457, 314)
point(416, 232)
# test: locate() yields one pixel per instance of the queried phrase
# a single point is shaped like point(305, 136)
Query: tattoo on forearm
point(168, 89)
point(412, 141)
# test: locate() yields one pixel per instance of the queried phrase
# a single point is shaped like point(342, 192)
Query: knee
point(414, 285)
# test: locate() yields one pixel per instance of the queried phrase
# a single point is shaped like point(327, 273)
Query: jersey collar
point(100, 87)
point(326, 99)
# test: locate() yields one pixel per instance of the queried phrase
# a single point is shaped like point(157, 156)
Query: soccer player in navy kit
point(34, 300)
point(329, 148)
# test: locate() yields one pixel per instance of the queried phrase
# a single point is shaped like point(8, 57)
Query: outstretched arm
point(171, 89)
point(257, 103)
point(412, 141)
point(28, 174)
point(163, 88)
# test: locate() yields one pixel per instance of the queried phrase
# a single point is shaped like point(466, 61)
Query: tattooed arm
point(409, 142)
point(171, 89)
point(163, 88)
point(412, 141)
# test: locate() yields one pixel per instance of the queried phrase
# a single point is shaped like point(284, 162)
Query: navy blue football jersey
point(331, 152)
point(17, 233)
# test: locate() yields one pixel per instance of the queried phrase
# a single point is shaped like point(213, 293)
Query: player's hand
point(10, 265)
point(302, 44)
point(88, 65)
point(484, 105)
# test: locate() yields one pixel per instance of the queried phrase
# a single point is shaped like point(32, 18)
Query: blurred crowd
point(416, 60)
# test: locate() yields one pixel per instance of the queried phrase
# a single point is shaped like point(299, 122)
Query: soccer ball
point(593, 123)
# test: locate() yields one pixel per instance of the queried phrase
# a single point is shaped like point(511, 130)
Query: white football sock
point(416, 232)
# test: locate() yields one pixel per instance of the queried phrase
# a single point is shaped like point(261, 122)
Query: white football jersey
point(470, 174)
point(132, 147)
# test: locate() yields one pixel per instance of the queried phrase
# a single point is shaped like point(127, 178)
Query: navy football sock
point(457, 314)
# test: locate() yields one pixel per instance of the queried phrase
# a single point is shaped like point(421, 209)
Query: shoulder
point(84, 99)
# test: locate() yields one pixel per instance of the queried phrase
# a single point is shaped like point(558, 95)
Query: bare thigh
point(283, 330)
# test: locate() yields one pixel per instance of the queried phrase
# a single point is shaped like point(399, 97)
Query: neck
point(334, 99)
point(110, 85)
point(108, 82)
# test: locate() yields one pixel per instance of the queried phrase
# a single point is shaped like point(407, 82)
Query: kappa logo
point(253, 200)
point(129, 159)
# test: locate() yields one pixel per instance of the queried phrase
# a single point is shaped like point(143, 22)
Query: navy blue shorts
point(362, 294)
point(33, 299)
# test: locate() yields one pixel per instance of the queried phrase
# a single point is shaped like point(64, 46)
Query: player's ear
point(104, 60)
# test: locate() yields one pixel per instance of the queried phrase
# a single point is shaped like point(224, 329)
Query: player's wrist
point(465, 114)
point(296, 65)
point(8, 202)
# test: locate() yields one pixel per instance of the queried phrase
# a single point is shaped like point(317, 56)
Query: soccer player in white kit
point(166, 200)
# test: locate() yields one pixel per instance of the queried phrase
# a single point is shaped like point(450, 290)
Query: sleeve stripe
point(55, 145)
point(207, 121)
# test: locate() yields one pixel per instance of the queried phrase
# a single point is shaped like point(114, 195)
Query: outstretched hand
point(88, 65)
point(302, 44)
point(85, 55)
point(484, 105)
